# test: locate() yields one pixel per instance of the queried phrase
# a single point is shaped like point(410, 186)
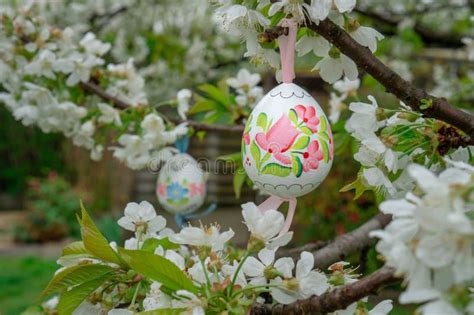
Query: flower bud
point(255, 244)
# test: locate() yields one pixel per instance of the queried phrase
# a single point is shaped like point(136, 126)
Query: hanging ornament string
point(287, 54)
point(287, 50)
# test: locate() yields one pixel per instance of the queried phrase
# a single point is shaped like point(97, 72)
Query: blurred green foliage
point(22, 279)
point(52, 205)
point(25, 152)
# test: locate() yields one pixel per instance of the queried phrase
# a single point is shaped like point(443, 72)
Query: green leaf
point(203, 106)
point(323, 124)
point(325, 148)
point(239, 179)
point(75, 275)
point(358, 185)
point(426, 103)
point(159, 269)
point(255, 151)
point(276, 170)
point(70, 300)
point(265, 158)
point(297, 166)
point(301, 143)
point(293, 116)
point(163, 311)
point(324, 135)
point(248, 124)
point(95, 242)
point(306, 130)
point(75, 248)
point(262, 120)
point(216, 94)
point(152, 243)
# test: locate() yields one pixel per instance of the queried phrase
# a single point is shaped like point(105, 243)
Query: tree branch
point(439, 108)
point(338, 299)
point(428, 35)
point(205, 127)
point(97, 90)
point(351, 242)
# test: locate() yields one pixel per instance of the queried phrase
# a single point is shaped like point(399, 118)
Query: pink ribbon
point(274, 202)
point(287, 50)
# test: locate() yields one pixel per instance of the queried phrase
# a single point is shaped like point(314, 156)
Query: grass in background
point(21, 281)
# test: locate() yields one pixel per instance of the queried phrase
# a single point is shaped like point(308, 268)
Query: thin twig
point(97, 90)
point(337, 299)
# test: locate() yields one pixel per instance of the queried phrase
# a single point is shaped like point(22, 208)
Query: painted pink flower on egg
point(246, 138)
point(312, 156)
point(197, 189)
point(278, 139)
point(161, 189)
point(308, 116)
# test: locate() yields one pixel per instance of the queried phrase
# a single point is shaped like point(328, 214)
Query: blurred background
point(43, 176)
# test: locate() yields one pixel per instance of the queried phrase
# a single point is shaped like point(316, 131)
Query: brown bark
point(393, 83)
point(337, 299)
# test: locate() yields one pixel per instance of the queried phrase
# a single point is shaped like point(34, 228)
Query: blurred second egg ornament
point(181, 186)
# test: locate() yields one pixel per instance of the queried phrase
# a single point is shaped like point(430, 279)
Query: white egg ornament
point(287, 146)
point(181, 186)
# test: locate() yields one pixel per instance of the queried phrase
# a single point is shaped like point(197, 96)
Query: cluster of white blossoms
point(42, 69)
point(248, 21)
point(389, 140)
point(431, 239)
point(174, 44)
point(223, 275)
point(246, 86)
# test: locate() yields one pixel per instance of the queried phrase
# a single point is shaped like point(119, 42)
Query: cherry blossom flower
point(230, 270)
point(319, 9)
point(190, 302)
point(265, 227)
point(109, 114)
point(334, 65)
point(244, 81)
point(43, 65)
point(141, 217)
point(336, 105)
point(93, 45)
point(183, 97)
point(346, 87)
point(317, 44)
point(307, 282)
point(367, 36)
point(206, 237)
point(155, 298)
point(265, 268)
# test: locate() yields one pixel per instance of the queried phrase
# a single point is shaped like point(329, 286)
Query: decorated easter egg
point(181, 185)
point(287, 145)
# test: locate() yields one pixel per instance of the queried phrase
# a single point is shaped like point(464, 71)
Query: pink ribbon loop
point(274, 202)
point(287, 50)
